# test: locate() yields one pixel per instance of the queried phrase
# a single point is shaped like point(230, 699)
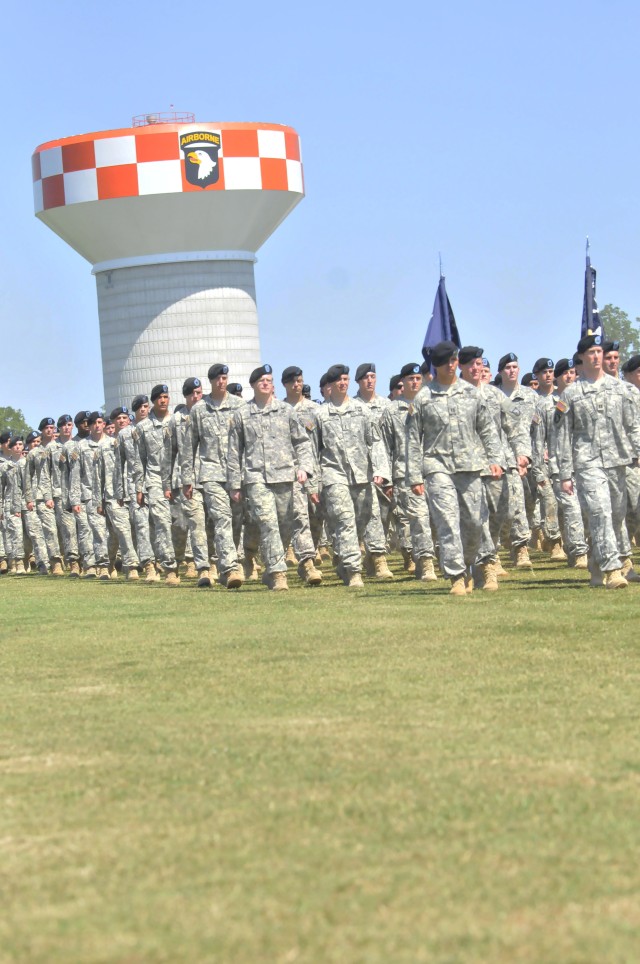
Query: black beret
point(588, 341)
point(107, 420)
point(216, 370)
point(425, 367)
point(31, 437)
point(138, 401)
point(181, 408)
point(608, 346)
point(6, 437)
point(120, 410)
point(497, 381)
point(526, 379)
point(542, 365)
point(44, 422)
point(364, 369)
point(159, 390)
point(81, 417)
point(632, 364)
point(93, 417)
point(485, 362)
point(234, 388)
point(443, 352)
point(290, 373)
point(411, 369)
point(64, 420)
point(14, 441)
point(509, 357)
point(323, 380)
point(563, 365)
point(469, 353)
point(394, 381)
point(190, 385)
point(306, 391)
point(335, 372)
point(257, 373)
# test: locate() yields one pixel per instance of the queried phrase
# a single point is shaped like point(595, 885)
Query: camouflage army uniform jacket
point(519, 410)
point(349, 445)
point(125, 470)
point(107, 474)
point(544, 461)
point(175, 433)
point(13, 494)
point(207, 440)
point(267, 444)
point(39, 470)
point(376, 407)
point(443, 429)
point(392, 426)
point(81, 462)
point(148, 436)
point(509, 431)
point(57, 468)
point(595, 424)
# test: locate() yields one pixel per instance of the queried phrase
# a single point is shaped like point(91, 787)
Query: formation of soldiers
point(451, 466)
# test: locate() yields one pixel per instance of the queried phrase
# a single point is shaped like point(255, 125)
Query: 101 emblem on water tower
point(200, 149)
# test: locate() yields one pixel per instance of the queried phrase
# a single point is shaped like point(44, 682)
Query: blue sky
point(499, 135)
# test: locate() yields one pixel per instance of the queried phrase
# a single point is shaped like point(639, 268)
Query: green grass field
point(384, 775)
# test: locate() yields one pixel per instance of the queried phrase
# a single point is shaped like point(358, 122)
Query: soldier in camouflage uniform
point(375, 537)
point(451, 437)
point(270, 451)
point(35, 543)
point(352, 456)
point(39, 467)
point(13, 505)
point(81, 491)
point(148, 436)
point(596, 436)
point(5, 458)
point(543, 369)
point(204, 466)
point(611, 358)
point(414, 507)
point(138, 513)
point(59, 473)
point(108, 492)
point(631, 372)
point(307, 526)
point(568, 504)
point(176, 449)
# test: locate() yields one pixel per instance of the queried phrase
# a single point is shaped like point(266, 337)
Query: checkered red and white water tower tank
point(170, 213)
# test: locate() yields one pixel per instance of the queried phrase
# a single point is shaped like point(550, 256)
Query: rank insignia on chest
point(561, 407)
point(411, 409)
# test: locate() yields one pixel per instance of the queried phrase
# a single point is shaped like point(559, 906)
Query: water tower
point(170, 212)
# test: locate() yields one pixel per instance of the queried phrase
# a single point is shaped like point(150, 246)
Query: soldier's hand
point(49, 503)
point(418, 489)
point(523, 463)
point(188, 491)
point(314, 498)
point(301, 476)
point(99, 510)
point(236, 495)
point(74, 508)
point(496, 471)
point(542, 483)
point(388, 491)
point(168, 494)
point(140, 498)
point(378, 480)
point(30, 506)
point(567, 486)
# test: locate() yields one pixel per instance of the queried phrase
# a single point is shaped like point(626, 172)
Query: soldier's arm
point(235, 450)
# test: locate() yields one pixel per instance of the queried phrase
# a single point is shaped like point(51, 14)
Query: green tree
point(619, 327)
point(14, 419)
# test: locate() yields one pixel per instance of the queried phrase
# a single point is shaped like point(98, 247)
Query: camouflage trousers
point(140, 527)
point(302, 539)
point(4, 539)
point(459, 511)
point(35, 536)
point(85, 537)
point(375, 539)
point(633, 499)
point(505, 501)
point(348, 510)
point(415, 509)
point(160, 518)
point(271, 508)
point(603, 497)
point(47, 518)
point(218, 507)
point(14, 538)
point(99, 533)
point(570, 513)
point(193, 511)
point(66, 531)
point(118, 518)
point(542, 509)
point(179, 529)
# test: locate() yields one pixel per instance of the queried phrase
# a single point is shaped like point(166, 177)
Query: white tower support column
point(173, 318)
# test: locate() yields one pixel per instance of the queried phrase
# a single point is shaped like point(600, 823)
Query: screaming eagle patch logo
point(200, 149)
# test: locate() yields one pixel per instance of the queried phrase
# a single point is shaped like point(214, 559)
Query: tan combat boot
point(90, 572)
point(190, 571)
point(20, 570)
point(204, 578)
point(172, 578)
point(308, 573)
point(379, 564)
point(290, 558)
point(490, 577)
point(458, 586)
point(522, 558)
point(557, 553)
point(56, 568)
point(12, 567)
point(279, 582)
point(213, 573)
point(425, 571)
point(103, 573)
point(74, 569)
point(113, 573)
point(4, 568)
point(132, 574)
point(501, 572)
point(354, 581)
point(581, 562)
point(597, 576)
point(325, 555)
point(251, 567)
point(629, 572)
point(615, 579)
point(150, 572)
point(409, 564)
point(235, 578)
point(318, 559)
